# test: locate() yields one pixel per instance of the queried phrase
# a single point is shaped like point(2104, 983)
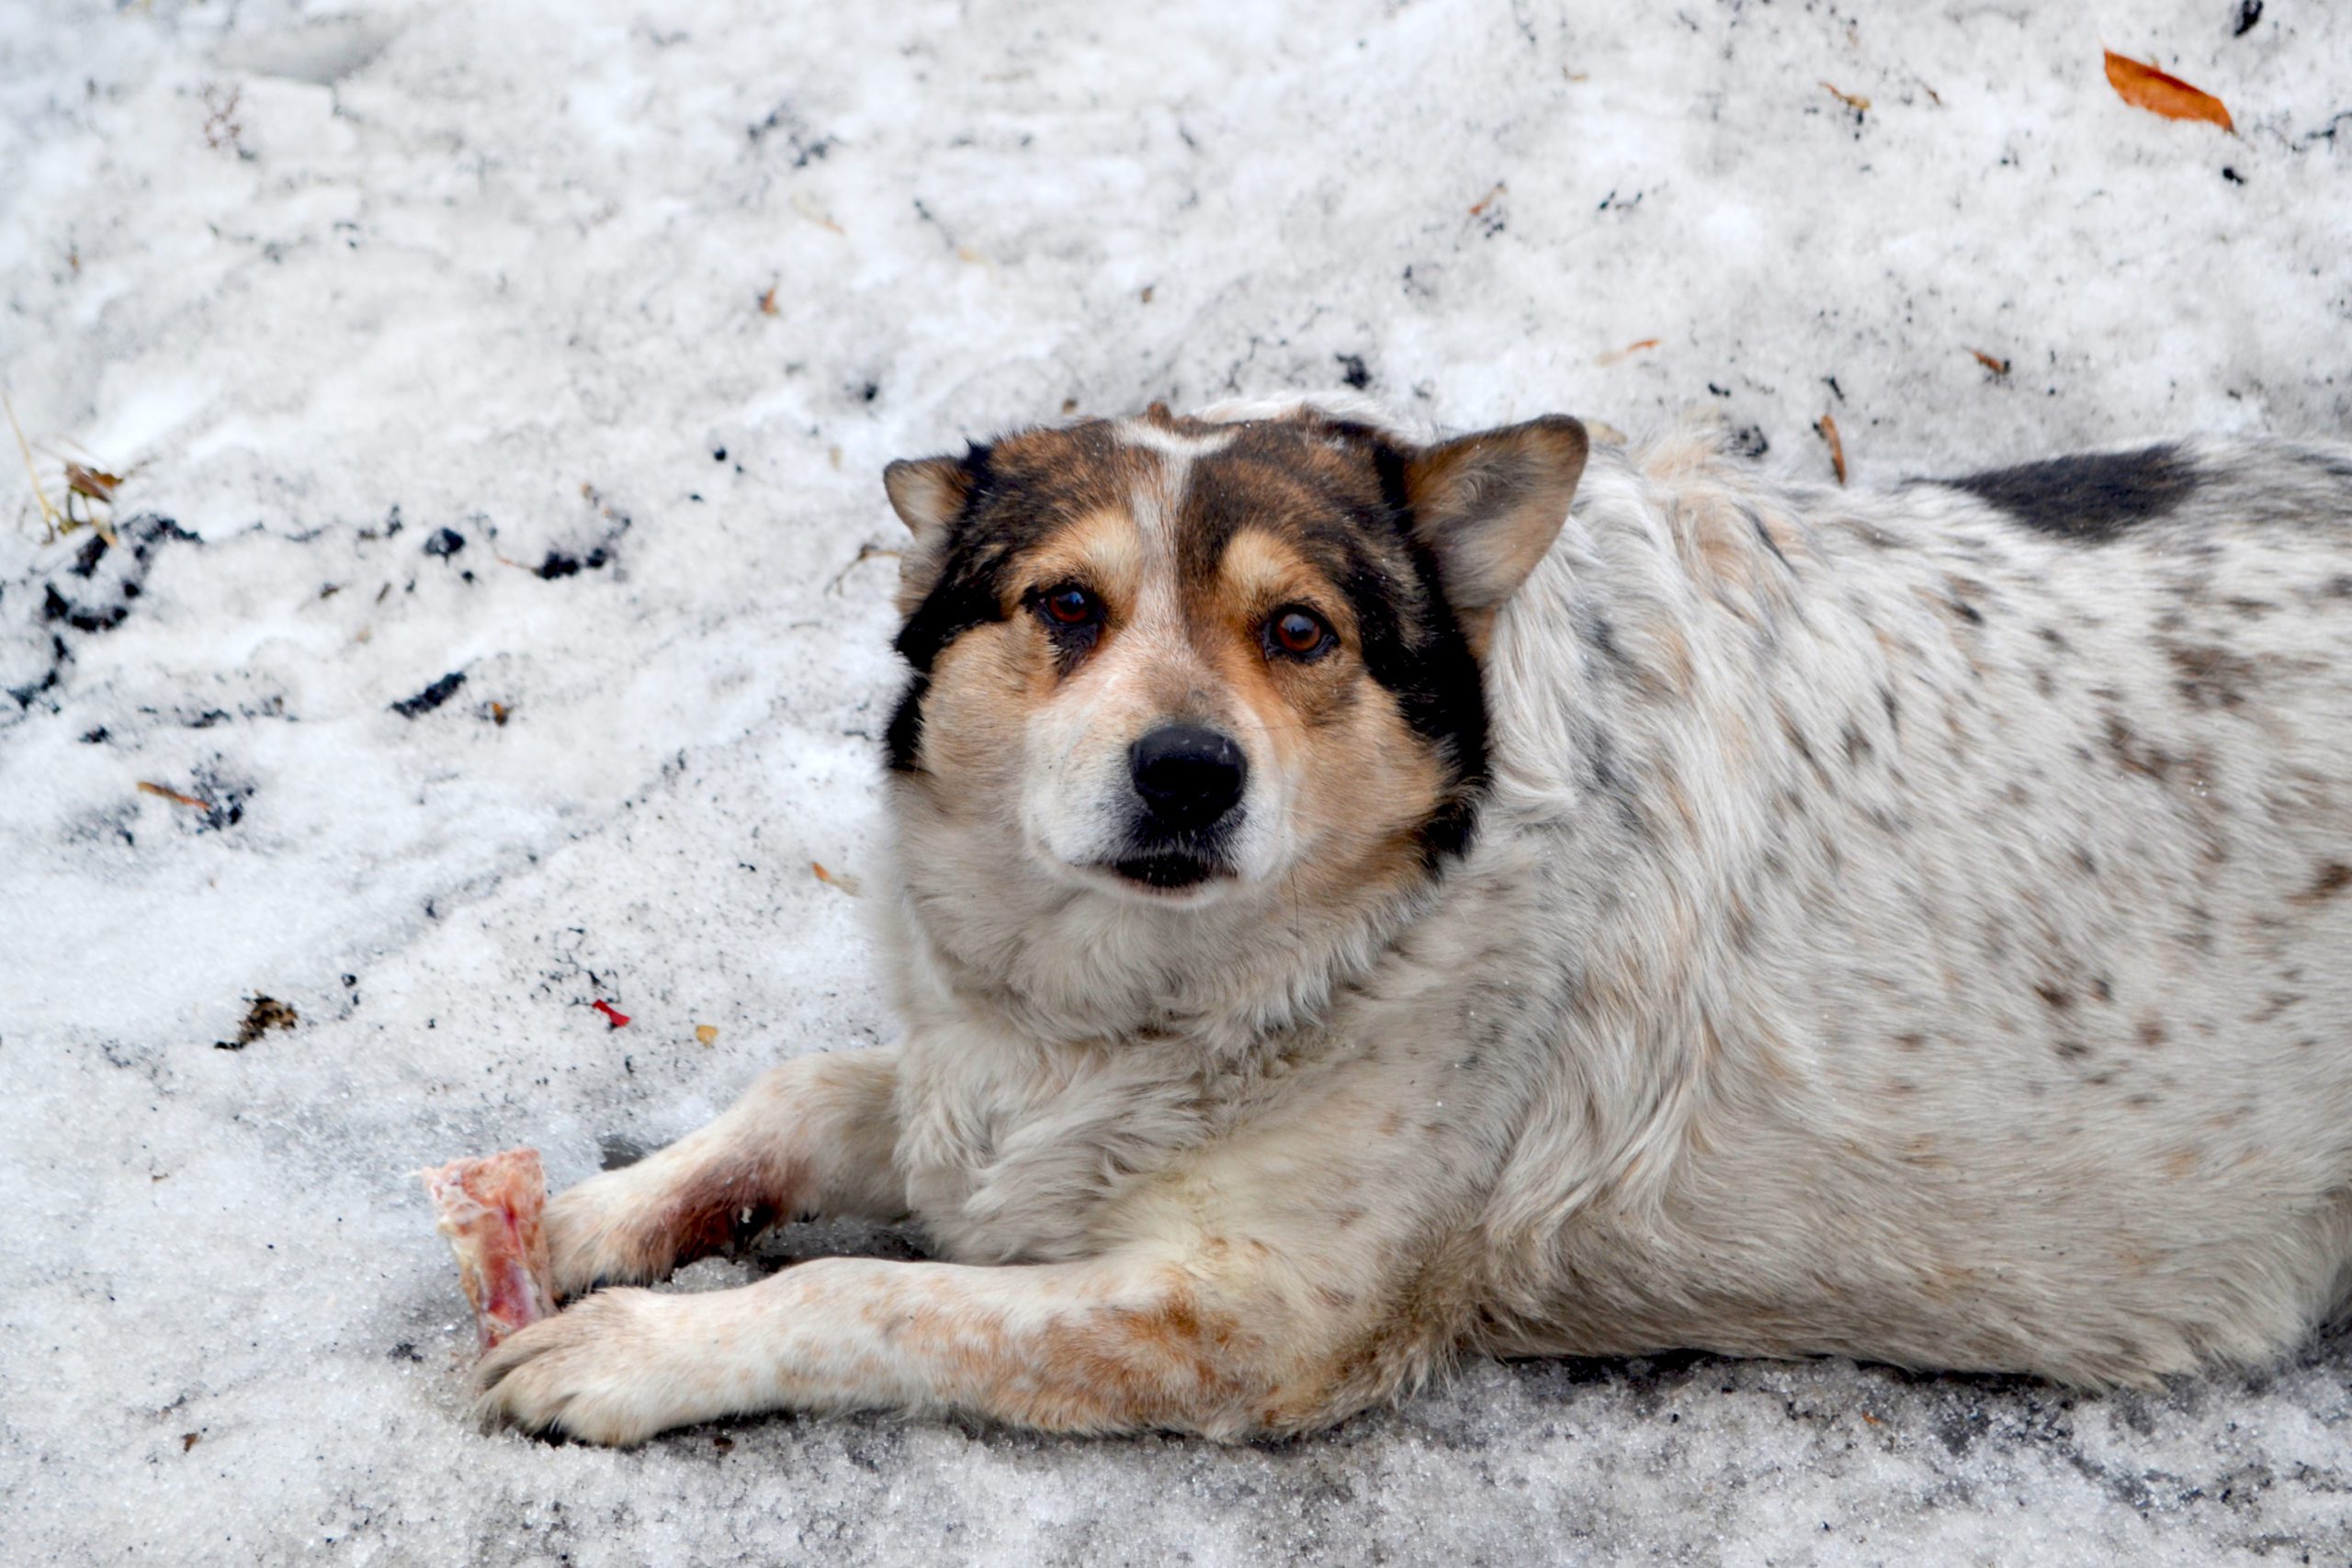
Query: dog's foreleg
point(813, 1136)
point(1105, 1344)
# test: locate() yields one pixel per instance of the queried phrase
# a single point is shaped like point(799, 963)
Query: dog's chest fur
point(1015, 1150)
point(1896, 925)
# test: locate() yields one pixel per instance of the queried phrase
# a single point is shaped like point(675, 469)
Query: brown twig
point(54, 521)
point(1828, 428)
point(175, 797)
point(865, 552)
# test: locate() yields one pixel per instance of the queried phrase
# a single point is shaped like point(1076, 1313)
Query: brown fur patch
point(2136, 755)
point(2331, 878)
point(1167, 1363)
point(1364, 780)
point(1099, 549)
point(720, 1208)
point(2211, 677)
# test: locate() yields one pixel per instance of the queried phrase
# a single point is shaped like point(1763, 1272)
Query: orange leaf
point(2159, 92)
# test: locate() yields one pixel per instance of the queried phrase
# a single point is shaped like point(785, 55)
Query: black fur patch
point(2091, 497)
point(1442, 695)
point(965, 596)
point(903, 739)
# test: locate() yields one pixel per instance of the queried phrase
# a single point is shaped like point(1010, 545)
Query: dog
point(1364, 899)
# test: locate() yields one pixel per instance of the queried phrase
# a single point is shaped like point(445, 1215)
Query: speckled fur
point(1896, 927)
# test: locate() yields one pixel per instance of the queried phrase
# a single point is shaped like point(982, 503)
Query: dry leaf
point(1854, 101)
point(1488, 200)
point(92, 483)
point(1997, 366)
point(1828, 428)
point(2160, 92)
point(767, 300)
point(265, 1014)
point(1613, 355)
point(706, 1034)
point(840, 879)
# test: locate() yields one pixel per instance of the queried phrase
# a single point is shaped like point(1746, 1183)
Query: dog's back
point(1976, 862)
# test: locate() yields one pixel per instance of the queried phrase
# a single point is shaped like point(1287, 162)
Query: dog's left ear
point(928, 494)
point(1488, 506)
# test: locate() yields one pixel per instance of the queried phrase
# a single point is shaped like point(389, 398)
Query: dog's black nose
point(1188, 775)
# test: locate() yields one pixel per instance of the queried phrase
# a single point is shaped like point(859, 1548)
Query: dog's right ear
point(928, 494)
point(1488, 506)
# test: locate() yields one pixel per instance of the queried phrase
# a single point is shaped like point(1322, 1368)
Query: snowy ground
point(337, 277)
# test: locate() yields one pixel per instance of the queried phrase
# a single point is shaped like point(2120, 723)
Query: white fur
point(1891, 931)
point(1172, 445)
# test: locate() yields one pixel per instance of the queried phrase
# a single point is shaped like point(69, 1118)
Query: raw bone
point(490, 1207)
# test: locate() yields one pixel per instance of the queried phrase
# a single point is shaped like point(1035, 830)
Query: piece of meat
point(490, 1207)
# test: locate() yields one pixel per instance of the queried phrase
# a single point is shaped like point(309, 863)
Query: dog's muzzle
point(1188, 781)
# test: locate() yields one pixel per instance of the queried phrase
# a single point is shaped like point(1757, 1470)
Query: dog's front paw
point(611, 1229)
point(605, 1371)
point(633, 1225)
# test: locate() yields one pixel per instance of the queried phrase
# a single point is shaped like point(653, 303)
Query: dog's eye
point(1299, 634)
point(1071, 605)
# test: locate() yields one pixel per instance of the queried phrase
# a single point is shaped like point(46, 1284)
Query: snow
point(336, 276)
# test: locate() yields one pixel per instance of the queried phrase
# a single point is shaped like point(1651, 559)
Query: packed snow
point(495, 627)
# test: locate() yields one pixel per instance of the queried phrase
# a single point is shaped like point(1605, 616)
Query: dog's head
point(1176, 661)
